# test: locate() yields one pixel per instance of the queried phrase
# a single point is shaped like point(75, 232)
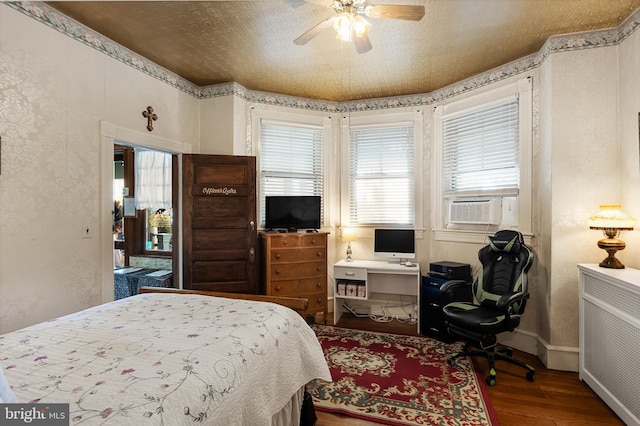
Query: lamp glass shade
point(348, 234)
point(611, 221)
point(611, 217)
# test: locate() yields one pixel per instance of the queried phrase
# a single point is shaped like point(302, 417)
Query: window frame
point(521, 88)
point(285, 118)
point(384, 119)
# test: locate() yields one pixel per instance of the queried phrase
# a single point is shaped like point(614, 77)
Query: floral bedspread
point(166, 359)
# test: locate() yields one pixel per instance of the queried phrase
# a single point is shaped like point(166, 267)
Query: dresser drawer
point(284, 240)
point(313, 240)
point(341, 272)
point(317, 302)
point(287, 271)
point(281, 255)
point(298, 288)
point(298, 240)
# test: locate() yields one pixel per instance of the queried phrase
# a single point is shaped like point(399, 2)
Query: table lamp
point(611, 220)
point(348, 235)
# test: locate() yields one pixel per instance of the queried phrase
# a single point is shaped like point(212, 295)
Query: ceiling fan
point(350, 23)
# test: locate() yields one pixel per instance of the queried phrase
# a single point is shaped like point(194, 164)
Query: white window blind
point(381, 181)
point(480, 150)
point(291, 161)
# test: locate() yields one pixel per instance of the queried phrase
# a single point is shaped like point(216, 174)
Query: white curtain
point(153, 180)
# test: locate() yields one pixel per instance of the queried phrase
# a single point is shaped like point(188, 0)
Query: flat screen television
point(292, 212)
point(394, 244)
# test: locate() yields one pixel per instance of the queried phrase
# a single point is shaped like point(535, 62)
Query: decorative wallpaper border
point(560, 43)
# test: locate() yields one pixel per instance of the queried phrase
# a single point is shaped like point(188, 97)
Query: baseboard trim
point(521, 340)
point(563, 358)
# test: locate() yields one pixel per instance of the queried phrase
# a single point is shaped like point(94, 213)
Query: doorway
point(111, 135)
point(143, 218)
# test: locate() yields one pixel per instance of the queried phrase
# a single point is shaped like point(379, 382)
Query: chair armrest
point(457, 291)
point(507, 300)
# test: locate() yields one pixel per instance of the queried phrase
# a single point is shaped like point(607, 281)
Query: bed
point(172, 358)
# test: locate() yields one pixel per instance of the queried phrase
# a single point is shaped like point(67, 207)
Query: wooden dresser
point(295, 264)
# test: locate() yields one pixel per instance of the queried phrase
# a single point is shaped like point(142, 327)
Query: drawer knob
point(318, 269)
point(277, 288)
point(278, 256)
point(319, 300)
point(277, 271)
point(319, 254)
point(350, 274)
point(318, 285)
point(313, 241)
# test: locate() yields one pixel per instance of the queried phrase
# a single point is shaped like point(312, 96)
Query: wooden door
point(219, 223)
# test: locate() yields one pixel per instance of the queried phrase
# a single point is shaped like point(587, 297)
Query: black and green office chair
point(500, 290)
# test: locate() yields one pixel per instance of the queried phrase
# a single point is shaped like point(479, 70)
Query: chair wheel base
point(531, 376)
point(492, 356)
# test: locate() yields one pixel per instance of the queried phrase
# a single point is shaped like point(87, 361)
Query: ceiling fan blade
point(294, 3)
point(393, 11)
point(314, 31)
point(326, 3)
point(363, 44)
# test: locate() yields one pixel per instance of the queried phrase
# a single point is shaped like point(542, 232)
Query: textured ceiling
point(251, 42)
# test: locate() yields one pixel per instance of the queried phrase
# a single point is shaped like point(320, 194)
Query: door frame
point(109, 135)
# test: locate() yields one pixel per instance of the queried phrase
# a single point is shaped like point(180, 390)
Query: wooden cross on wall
point(149, 115)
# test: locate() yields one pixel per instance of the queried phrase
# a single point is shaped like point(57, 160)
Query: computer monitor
point(394, 244)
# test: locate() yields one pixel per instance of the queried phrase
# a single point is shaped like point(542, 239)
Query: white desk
point(376, 277)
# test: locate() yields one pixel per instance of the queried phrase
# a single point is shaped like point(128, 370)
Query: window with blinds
point(381, 177)
point(291, 161)
point(480, 150)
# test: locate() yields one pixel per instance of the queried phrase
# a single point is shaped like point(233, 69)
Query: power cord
point(385, 315)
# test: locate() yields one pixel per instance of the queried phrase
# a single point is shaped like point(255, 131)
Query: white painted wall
point(216, 125)
point(629, 142)
point(54, 92)
point(224, 127)
point(584, 166)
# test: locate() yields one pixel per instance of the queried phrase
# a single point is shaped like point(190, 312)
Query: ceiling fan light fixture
point(350, 22)
point(342, 25)
point(361, 26)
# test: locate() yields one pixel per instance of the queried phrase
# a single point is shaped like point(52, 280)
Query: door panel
point(219, 223)
point(221, 174)
point(219, 239)
point(220, 273)
point(220, 212)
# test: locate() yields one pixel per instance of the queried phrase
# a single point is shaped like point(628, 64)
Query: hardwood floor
point(556, 398)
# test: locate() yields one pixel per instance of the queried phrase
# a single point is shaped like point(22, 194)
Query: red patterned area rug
point(399, 380)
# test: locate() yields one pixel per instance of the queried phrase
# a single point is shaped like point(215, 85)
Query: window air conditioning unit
point(485, 211)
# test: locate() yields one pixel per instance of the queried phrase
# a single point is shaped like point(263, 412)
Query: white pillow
point(6, 395)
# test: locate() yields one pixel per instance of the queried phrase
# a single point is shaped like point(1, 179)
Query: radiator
point(610, 337)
